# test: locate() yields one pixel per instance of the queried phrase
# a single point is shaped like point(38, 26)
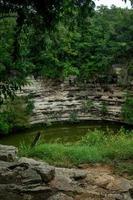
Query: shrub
point(93, 138)
point(87, 105)
point(127, 109)
point(104, 109)
point(4, 126)
point(15, 114)
point(73, 117)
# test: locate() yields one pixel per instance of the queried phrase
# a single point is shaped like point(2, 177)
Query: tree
point(32, 30)
point(88, 50)
point(41, 14)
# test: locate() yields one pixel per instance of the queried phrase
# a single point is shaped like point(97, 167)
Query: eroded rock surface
point(28, 179)
point(8, 153)
point(55, 102)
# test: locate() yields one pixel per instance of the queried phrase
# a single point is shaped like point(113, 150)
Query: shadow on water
point(65, 132)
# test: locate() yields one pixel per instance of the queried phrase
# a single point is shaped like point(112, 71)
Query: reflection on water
point(64, 133)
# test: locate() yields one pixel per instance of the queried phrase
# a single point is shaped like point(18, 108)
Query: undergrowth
point(95, 147)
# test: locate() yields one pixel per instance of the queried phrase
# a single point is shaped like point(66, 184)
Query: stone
point(60, 196)
point(127, 196)
point(90, 195)
point(29, 179)
point(77, 175)
point(30, 176)
point(8, 153)
point(30, 162)
point(10, 177)
point(62, 183)
point(121, 185)
point(4, 165)
point(59, 97)
point(35, 189)
point(65, 184)
point(116, 196)
point(103, 180)
point(35, 171)
point(47, 173)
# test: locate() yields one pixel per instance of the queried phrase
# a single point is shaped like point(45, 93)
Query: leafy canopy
point(57, 38)
point(41, 15)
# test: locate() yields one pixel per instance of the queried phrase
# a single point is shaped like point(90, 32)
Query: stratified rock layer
point(63, 101)
point(28, 179)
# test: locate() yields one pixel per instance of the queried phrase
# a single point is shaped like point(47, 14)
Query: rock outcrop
point(28, 179)
point(64, 101)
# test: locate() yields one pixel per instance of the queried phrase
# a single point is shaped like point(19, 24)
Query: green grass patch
point(95, 147)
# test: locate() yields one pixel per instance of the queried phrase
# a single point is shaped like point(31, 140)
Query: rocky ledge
point(28, 179)
point(61, 101)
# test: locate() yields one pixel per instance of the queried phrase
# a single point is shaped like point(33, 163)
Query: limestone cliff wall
point(56, 101)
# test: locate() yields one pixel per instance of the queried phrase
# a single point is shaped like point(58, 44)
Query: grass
point(95, 147)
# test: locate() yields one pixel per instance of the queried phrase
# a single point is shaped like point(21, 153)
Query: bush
point(4, 126)
point(94, 138)
point(127, 109)
point(87, 105)
point(73, 117)
point(104, 109)
point(15, 114)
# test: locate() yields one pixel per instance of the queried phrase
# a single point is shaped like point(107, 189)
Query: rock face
point(7, 153)
point(28, 179)
point(69, 101)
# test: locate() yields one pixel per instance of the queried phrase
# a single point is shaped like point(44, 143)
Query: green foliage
point(87, 105)
point(29, 20)
point(15, 114)
point(127, 109)
point(96, 137)
point(30, 107)
point(104, 109)
point(4, 126)
point(95, 147)
point(87, 50)
point(73, 117)
point(90, 49)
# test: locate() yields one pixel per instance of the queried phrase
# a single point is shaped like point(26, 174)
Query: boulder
point(120, 185)
point(60, 196)
point(103, 180)
point(8, 153)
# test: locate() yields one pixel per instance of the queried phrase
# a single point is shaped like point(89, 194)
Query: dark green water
point(64, 133)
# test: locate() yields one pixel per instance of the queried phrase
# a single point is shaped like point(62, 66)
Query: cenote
point(60, 133)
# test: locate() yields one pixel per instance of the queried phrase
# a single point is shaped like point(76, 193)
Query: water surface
point(63, 133)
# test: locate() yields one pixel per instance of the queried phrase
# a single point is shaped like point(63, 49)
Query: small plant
point(4, 126)
point(24, 148)
point(93, 137)
point(73, 117)
point(30, 107)
point(87, 105)
point(127, 109)
point(104, 109)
